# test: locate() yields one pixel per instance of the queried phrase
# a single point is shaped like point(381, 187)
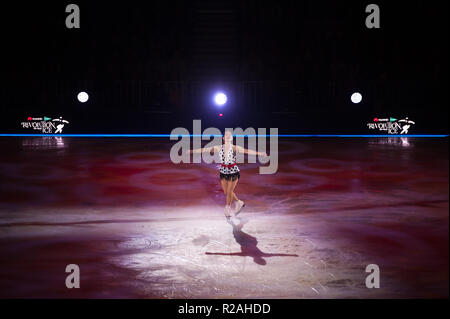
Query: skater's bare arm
point(246, 151)
point(204, 149)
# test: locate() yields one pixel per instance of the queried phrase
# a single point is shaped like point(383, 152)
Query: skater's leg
point(224, 184)
point(239, 204)
point(230, 190)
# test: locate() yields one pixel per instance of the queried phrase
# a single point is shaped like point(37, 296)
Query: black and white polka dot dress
point(228, 159)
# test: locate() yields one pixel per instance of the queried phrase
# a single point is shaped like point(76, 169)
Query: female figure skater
point(228, 170)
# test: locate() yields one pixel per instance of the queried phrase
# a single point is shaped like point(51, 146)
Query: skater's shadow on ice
point(248, 245)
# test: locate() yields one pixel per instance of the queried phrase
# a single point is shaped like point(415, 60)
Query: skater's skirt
point(230, 177)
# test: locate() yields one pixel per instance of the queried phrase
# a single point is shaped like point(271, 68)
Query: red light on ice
point(220, 114)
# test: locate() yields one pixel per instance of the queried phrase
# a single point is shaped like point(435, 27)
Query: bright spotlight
point(220, 99)
point(356, 97)
point(82, 97)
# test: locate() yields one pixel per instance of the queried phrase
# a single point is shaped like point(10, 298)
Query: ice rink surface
point(139, 226)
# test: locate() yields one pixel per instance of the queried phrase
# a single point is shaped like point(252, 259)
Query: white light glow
point(356, 97)
point(82, 97)
point(220, 99)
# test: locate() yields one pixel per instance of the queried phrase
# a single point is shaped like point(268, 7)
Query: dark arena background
point(92, 205)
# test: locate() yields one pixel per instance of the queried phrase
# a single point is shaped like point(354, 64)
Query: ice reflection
point(405, 142)
point(44, 143)
point(395, 141)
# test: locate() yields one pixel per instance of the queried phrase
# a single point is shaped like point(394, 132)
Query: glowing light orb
point(82, 97)
point(220, 99)
point(356, 97)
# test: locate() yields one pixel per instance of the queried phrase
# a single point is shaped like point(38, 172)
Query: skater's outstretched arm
point(246, 151)
point(204, 149)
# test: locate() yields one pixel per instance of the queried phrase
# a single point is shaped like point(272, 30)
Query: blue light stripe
point(199, 135)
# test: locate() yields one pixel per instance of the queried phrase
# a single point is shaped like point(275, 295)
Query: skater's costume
point(228, 168)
